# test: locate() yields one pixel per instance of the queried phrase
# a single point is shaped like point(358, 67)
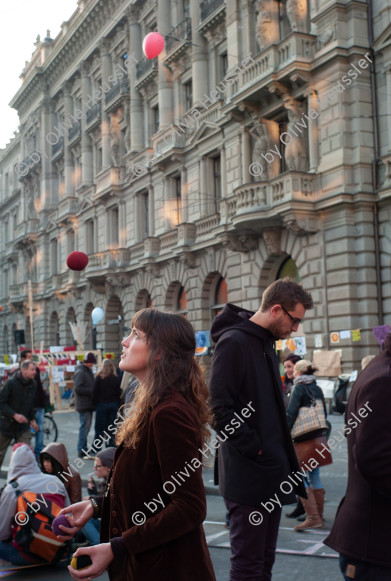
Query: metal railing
point(208, 7)
point(178, 34)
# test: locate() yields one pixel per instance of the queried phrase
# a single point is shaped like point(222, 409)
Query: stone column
point(86, 147)
point(165, 91)
point(203, 184)
point(47, 195)
point(68, 163)
point(199, 56)
point(223, 172)
point(388, 85)
point(151, 201)
point(106, 72)
point(246, 156)
point(136, 102)
point(185, 198)
point(313, 133)
point(233, 37)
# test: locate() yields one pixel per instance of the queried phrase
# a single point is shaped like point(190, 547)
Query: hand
point(34, 425)
point(78, 515)
point(20, 418)
point(101, 557)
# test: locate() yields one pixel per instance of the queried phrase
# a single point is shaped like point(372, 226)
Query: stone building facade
point(256, 145)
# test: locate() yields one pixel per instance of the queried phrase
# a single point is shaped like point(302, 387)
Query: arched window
point(181, 306)
point(220, 298)
point(288, 268)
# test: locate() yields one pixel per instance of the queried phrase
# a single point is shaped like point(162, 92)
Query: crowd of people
point(155, 456)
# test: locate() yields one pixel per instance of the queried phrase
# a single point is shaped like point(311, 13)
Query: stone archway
point(114, 325)
point(54, 329)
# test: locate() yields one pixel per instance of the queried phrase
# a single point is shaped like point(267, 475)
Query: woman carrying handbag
point(306, 415)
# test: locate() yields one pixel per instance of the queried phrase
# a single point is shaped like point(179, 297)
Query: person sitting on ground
point(25, 470)
point(54, 460)
point(96, 487)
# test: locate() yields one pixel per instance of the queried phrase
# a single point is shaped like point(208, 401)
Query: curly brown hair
point(171, 366)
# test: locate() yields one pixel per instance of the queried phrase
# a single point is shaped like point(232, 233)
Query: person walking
point(258, 456)
point(304, 391)
point(27, 355)
point(361, 530)
point(83, 383)
point(106, 395)
point(159, 457)
point(17, 399)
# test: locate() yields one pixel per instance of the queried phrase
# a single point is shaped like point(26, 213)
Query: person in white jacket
point(25, 470)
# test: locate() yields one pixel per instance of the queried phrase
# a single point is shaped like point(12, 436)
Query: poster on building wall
point(356, 335)
point(334, 337)
point(328, 363)
point(202, 342)
point(301, 347)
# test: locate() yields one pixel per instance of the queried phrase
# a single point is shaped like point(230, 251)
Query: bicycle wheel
point(50, 431)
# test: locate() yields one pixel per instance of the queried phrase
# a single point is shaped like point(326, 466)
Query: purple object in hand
point(59, 520)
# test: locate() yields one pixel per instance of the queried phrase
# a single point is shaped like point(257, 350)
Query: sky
point(20, 23)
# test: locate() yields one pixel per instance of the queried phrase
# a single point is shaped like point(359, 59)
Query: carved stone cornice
point(241, 242)
point(301, 225)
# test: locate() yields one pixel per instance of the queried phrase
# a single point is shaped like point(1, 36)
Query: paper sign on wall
point(356, 335)
point(334, 337)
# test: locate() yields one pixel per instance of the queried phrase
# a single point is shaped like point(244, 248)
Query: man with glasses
point(257, 457)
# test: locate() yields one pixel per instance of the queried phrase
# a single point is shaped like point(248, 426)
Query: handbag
point(310, 418)
point(315, 449)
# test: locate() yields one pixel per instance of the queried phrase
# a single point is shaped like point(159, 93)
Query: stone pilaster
point(106, 72)
point(86, 148)
point(199, 56)
point(165, 90)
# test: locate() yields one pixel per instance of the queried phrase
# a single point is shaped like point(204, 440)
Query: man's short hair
point(26, 364)
point(24, 353)
point(287, 293)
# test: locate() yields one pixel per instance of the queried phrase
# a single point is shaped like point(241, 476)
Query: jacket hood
point(22, 463)
point(57, 451)
point(237, 318)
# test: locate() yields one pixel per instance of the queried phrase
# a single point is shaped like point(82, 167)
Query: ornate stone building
point(254, 146)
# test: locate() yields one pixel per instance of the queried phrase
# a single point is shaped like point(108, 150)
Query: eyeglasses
point(98, 465)
point(294, 320)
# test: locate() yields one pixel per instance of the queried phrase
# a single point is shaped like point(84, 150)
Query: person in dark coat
point(17, 399)
point(257, 455)
point(155, 503)
point(106, 395)
point(83, 383)
point(361, 531)
point(25, 355)
point(304, 390)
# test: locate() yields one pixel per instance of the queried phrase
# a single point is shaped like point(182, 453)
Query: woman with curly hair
point(154, 505)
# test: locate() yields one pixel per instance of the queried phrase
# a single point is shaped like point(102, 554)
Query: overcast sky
point(20, 23)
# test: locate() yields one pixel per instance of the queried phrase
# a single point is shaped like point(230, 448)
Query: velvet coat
point(362, 525)
point(245, 369)
point(170, 545)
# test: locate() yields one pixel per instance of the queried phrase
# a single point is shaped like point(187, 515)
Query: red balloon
point(153, 45)
point(77, 260)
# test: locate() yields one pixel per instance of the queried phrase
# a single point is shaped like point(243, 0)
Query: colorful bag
point(32, 533)
point(310, 418)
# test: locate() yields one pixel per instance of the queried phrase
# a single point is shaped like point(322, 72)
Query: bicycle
point(50, 429)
